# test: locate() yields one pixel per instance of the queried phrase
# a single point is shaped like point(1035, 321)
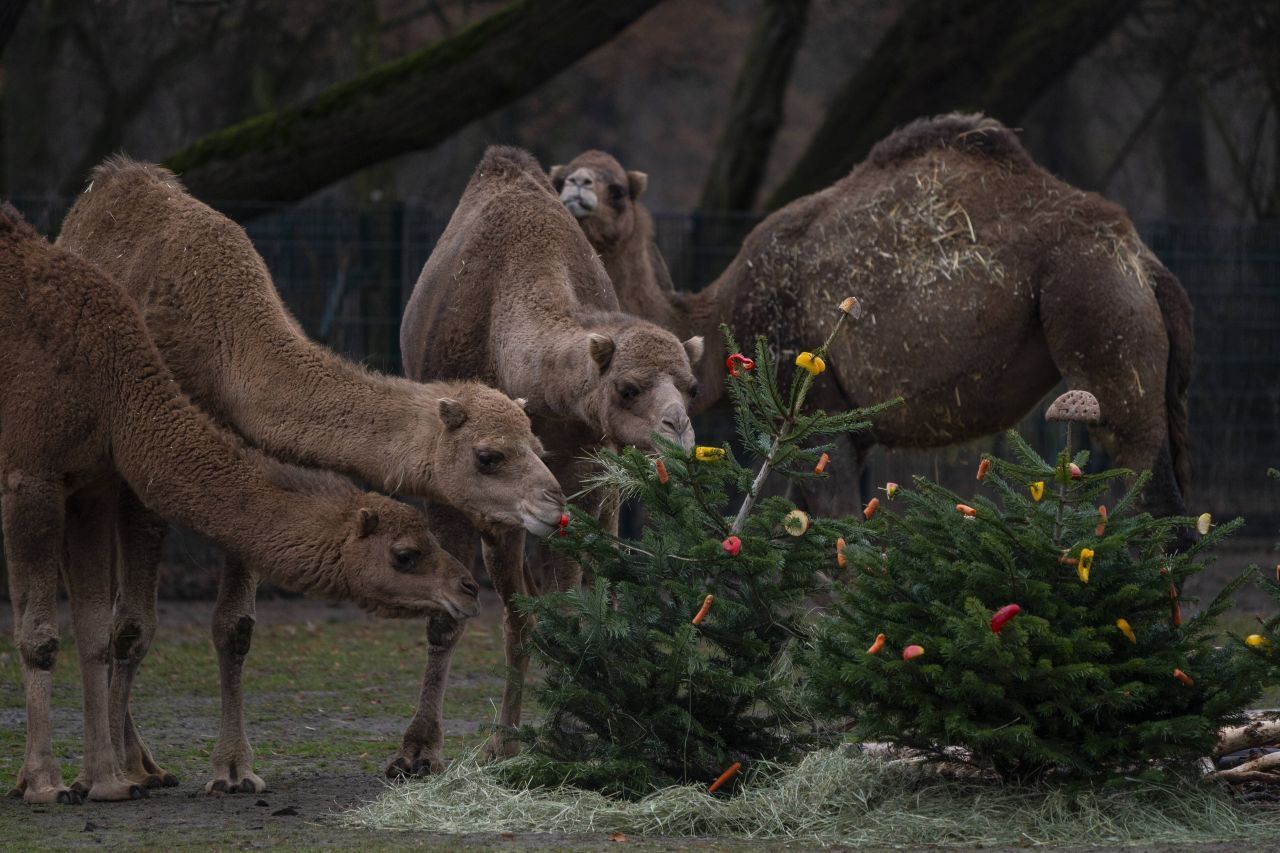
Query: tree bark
point(756, 111)
point(405, 105)
point(994, 56)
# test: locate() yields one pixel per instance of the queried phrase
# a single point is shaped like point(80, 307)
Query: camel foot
point(116, 790)
point(60, 794)
point(249, 783)
point(501, 747)
point(415, 767)
point(163, 779)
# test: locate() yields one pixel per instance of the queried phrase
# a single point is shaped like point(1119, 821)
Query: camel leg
point(232, 631)
point(90, 528)
point(504, 559)
point(32, 512)
point(1115, 346)
point(422, 748)
point(141, 534)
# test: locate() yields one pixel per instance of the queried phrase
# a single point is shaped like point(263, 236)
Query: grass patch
point(832, 797)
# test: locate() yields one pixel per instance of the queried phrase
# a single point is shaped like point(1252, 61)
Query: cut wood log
point(1263, 731)
point(1265, 769)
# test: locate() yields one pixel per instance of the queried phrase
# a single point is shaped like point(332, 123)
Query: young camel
point(513, 295)
point(986, 281)
point(208, 300)
point(94, 429)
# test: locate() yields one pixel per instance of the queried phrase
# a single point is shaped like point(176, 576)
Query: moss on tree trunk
point(405, 105)
point(994, 56)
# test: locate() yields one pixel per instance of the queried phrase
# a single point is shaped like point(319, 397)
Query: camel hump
point(122, 167)
point(971, 133)
point(506, 161)
point(13, 222)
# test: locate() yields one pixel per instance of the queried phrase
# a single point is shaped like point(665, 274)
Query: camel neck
point(301, 402)
point(185, 468)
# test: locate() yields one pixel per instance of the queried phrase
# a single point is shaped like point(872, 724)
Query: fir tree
point(675, 664)
point(1030, 627)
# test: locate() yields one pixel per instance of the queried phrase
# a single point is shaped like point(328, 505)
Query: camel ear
point(366, 522)
point(601, 350)
point(694, 347)
point(556, 174)
point(637, 181)
point(452, 414)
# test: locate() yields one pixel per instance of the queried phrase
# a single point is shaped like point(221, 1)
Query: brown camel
point(209, 302)
point(93, 429)
point(986, 282)
point(514, 295)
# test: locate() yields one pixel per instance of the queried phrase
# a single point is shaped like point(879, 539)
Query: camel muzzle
point(540, 515)
point(677, 427)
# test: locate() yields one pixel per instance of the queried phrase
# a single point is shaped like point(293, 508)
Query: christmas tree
point(674, 666)
point(1033, 626)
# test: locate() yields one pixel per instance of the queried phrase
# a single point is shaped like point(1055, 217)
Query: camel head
point(601, 195)
point(394, 567)
point(642, 381)
point(489, 463)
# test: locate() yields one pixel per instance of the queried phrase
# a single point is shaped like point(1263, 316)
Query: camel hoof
point(15, 792)
point(69, 797)
point(217, 786)
point(399, 769)
point(168, 780)
point(138, 792)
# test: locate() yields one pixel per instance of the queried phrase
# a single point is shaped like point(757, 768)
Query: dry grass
point(832, 797)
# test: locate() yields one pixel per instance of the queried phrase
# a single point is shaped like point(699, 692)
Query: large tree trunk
point(994, 56)
point(405, 105)
point(755, 112)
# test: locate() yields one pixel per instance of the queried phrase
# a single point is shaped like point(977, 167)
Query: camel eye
point(693, 391)
point(616, 192)
point(404, 557)
point(628, 392)
point(487, 461)
point(558, 183)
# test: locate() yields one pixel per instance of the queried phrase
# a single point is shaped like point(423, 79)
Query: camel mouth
point(539, 524)
point(578, 205)
point(459, 611)
point(684, 437)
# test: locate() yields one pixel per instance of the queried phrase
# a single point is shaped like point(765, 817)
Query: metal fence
point(347, 274)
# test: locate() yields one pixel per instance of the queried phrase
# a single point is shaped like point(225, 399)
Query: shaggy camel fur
point(93, 429)
point(514, 295)
point(986, 282)
point(209, 301)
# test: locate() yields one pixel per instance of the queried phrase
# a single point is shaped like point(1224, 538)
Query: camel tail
point(1176, 309)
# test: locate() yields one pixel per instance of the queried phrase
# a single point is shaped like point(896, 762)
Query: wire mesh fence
point(346, 273)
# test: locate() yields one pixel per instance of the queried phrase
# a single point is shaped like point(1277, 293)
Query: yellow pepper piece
point(1085, 564)
point(1037, 490)
point(1123, 625)
point(1256, 641)
point(810, 362)
point(708, 454)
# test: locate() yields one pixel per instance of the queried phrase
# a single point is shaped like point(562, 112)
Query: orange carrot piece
point(983, 467)
point(662, 472)
point(877, 645)
point(725, 777)
point(702, 613)
point(966, 510)
point(872, 506)
point(822, 464)
point(1184, 678)
point(841, 560)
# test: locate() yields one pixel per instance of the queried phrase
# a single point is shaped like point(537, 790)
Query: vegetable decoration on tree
point(1079, 681)
point(670, 687)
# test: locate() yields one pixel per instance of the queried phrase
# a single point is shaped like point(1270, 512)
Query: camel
point(209, 302)
point(986, 282)
point(93, 429)
point(513, 295)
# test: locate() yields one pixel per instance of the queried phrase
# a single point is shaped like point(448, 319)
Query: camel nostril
point(554, 496)
point(470, 587)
